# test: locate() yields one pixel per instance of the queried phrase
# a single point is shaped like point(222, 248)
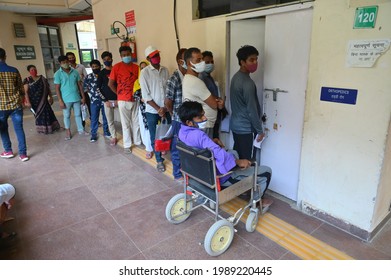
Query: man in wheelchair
point(192, 117)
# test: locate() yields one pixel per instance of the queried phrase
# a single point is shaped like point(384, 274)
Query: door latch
point(275, 91)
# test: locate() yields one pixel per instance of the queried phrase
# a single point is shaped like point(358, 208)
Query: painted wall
point(69, 39)
point(344, 145)
point(8, 40)
point(155, 26)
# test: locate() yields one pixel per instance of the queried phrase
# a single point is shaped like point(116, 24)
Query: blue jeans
point(17, 120)
point(176, 163)
point(152, 120)
point(95, 108)
point(76, 111)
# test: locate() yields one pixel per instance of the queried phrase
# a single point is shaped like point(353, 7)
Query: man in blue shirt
point(69, 89)
point(192, 115)
point(11, 95)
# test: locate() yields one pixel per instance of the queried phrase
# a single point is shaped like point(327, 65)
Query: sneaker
point(127, 151)
point(24, 157)
point(7, 154)
point(93, 139)
point(85, 133)
point(108, 136)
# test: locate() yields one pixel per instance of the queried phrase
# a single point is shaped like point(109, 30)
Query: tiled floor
point(82, 200)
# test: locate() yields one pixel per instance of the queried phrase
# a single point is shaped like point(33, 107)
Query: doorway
point(283, 42)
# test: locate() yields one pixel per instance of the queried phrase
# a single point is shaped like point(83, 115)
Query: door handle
point(275, 91)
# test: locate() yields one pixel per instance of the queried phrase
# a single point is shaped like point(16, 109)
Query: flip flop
point(160, 167)
point(149, 155)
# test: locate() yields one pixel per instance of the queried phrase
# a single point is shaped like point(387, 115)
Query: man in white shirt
point(194, 89)
point(153, 79)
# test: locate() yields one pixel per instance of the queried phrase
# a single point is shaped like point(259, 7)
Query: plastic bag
point(164, 133)
point(84, 112)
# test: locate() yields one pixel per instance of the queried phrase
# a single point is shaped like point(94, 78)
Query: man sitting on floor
point(192, 117)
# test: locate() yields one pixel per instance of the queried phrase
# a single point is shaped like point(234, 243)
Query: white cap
point(150, 51)
point(7, 191)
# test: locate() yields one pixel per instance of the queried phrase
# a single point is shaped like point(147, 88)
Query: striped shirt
point(11, 88)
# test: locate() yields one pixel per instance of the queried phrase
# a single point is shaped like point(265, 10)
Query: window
point(208, 8)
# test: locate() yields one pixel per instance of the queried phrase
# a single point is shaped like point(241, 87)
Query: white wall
point(8, 40)
point(344, 145)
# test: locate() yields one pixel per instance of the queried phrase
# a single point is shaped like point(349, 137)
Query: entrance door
point(285, 67)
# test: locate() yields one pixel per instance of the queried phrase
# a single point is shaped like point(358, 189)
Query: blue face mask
point(209, 68)
point(127, 59)
point(201, 125)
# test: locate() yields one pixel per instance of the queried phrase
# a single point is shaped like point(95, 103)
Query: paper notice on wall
point(364, 53)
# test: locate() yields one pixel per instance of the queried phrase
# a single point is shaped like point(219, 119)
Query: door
point(285, 67)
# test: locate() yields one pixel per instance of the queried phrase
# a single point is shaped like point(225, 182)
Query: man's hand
point(27, 104)
point(220, 103)
point(107, 103)
point(243, 163)
point(162, 111)
point(62, 104)
point(260, 137)
point(83, 101)
point(218, 142)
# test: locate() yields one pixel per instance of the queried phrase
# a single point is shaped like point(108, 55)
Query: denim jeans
point(17, 120)
point(95, 108)
point(152, 120)
point(76, 111)
point(176, 163)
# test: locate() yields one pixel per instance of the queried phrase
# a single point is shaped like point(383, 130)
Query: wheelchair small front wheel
point(218, 238)
point(252, 221)
point(175, 209)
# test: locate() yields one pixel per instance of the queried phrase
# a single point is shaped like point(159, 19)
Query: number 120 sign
point(365, 17)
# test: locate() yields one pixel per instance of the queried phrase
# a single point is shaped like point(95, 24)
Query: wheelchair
point(202, 189)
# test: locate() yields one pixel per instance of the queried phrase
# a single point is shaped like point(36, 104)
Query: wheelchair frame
point(208, 189)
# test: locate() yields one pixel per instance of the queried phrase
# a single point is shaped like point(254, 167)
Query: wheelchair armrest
point(222, 175)
point(194, 151)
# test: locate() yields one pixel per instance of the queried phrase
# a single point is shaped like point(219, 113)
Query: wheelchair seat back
point(197, 163)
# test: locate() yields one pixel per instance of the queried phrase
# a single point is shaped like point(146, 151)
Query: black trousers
point(243, 144)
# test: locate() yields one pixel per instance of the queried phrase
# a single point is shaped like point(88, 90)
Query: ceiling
point(48, 8)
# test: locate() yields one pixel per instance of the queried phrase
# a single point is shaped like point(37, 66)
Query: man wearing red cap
point(153, 80)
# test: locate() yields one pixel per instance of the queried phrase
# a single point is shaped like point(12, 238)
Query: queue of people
point(143, 95)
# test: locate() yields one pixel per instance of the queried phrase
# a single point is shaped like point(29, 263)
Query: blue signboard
point(339, 95)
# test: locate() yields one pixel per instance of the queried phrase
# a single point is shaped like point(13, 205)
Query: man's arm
point(214, 103)
point(112, 85)
point(83, 97)
point(59, 96)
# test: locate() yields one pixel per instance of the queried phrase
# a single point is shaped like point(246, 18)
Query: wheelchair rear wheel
point(252, 220)
point(176, 206)
point(218, 238)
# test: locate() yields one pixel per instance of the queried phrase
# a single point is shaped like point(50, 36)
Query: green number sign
point(365, 17)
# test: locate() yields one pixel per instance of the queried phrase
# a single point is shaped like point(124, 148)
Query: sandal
point(149, 155)
point(160, 167)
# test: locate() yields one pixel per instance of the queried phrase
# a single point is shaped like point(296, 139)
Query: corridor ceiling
point(48, 8)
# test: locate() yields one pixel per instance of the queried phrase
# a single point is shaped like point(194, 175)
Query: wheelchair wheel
point(176, 206)
point(252, 221)
point(218, 238)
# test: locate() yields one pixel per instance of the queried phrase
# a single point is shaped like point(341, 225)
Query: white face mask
point(209, 68)
point(198, 67)
point(201, 125)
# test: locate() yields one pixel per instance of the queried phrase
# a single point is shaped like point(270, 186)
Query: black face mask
point(96, 71)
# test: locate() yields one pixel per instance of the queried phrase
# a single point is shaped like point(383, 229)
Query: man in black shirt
point(108, 96)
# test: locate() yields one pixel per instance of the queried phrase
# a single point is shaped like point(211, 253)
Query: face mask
point(127, 59)
point(65, 65)
point(201, 125)
point(96, 71)
point(107, 63)
point(155, 60)
point(252, 68)
point(198, 67)
point(184, 65)
point(209, 68)
point(33, 72)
